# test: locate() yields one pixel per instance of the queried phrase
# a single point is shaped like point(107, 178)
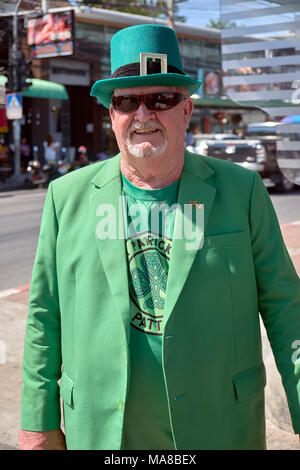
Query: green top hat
point(144, 55)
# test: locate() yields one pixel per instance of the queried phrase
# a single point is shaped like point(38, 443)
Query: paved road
point(20, 215)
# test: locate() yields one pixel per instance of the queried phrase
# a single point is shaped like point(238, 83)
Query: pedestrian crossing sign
point(14, 107)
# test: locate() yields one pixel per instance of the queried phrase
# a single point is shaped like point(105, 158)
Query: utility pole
point(15, 56)
point(45, 6)
point(170, 7)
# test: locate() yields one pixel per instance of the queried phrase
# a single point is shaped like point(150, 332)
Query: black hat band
point(133, 70)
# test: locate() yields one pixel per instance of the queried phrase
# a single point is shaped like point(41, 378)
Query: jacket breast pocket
point(67, 389)
point(249, 382)
point(222, 255)
point(227, 239)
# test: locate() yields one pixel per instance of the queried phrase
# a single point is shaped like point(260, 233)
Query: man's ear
point(112, 115)
point(188, 109)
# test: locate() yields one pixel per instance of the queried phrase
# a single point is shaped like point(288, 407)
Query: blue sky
point(199, 12)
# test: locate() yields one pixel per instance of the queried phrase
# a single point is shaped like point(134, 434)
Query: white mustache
point(134, 150)
point(141, 126)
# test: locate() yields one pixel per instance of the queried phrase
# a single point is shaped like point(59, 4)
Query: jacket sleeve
point(279, 294)
point(40, 410)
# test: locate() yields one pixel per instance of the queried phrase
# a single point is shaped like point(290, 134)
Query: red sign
point(4, 126)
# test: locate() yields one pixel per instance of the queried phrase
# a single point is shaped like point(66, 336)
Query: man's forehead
point(142, 90)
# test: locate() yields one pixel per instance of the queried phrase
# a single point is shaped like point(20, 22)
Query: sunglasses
point(153, 101)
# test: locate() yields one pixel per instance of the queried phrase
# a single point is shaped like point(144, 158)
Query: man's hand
point(49, 440)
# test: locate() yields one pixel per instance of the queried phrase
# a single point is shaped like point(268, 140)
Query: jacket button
point(121, 405)
point(178, 397)
point(170, 336)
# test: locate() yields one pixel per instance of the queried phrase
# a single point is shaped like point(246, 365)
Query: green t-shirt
point(148, 242)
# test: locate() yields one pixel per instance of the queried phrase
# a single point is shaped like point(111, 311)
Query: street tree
point(153, 8)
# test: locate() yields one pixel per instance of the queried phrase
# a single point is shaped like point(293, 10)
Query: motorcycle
point(40, 175)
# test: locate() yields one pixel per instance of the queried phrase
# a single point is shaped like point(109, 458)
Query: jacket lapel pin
point(198, 206)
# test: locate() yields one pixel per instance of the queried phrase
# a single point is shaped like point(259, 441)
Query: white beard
point(150, 152)
point(138, 152)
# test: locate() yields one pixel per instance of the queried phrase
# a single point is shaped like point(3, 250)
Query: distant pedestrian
point(192, 131)
point(25, 153)
point(50, 149)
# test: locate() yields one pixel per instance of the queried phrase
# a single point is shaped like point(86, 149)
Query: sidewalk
point(12, 184)
point(291, 235)
point(13, 314)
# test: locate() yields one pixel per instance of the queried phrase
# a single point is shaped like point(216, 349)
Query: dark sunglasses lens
point(162, 101)
point(153, 101)
point(125, 104)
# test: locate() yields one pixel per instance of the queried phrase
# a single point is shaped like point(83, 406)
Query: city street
point(20, 215)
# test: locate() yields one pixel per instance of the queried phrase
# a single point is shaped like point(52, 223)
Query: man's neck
point(151, 173)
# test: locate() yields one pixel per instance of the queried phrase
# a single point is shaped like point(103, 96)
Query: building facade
point(81, 120)
point(261, 67)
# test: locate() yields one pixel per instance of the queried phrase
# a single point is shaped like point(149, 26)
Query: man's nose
point(143, 114)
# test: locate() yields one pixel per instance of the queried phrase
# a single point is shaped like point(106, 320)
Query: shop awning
point(225, 102)
point(45, 89)
point(41, 89)
point(217, 102)
point(3, 80)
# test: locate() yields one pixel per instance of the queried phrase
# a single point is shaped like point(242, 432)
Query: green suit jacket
point(212, 353)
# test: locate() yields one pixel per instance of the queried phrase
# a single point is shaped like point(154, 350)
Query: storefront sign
point(51, 35)
point(212, 83)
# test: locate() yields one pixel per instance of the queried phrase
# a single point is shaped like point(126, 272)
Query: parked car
point(255, 151)
point(271, 173)
point(247, 153)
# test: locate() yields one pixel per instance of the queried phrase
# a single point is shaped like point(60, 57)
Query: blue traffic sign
point(14, 107)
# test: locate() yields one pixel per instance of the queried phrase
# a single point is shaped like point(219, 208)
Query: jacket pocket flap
point(66, 389)
point(227, 239)
point(249, 382)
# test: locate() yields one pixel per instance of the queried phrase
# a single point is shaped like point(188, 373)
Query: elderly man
point(155, 342)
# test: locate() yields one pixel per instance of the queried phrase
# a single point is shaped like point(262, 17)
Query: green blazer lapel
point(105, 205)
point(193, 189)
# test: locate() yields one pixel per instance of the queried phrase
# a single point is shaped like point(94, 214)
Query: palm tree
point(218, 24)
